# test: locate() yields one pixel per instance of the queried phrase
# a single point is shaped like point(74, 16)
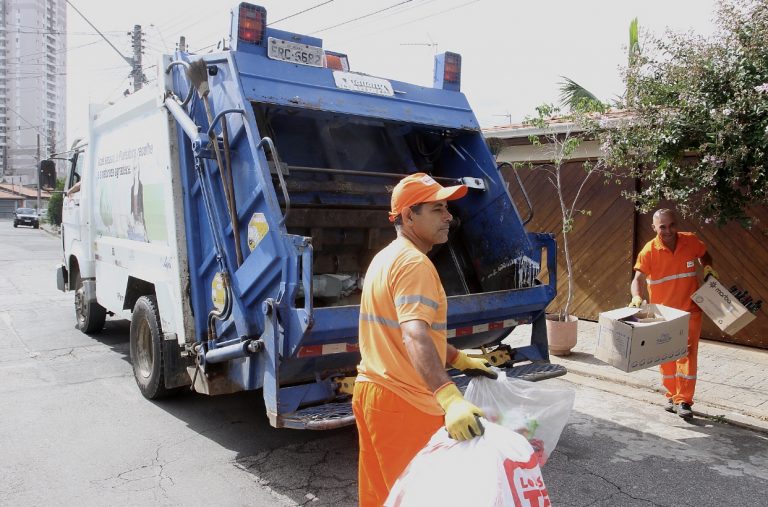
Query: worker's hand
point(709, 271)
point(462, 419)
point(473, 366)
point(636, 302)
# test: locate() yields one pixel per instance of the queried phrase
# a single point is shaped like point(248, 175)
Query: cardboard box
point(635, 338)
point(719, 304)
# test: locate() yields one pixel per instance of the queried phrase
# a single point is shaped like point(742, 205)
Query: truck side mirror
point(47, 174)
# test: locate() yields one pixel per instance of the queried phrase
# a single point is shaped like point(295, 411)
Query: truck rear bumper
point(338, 414)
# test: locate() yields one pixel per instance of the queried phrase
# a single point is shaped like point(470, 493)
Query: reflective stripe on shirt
point(379, 320)
point(440, 326)
point(404, 300)
point(670, 278)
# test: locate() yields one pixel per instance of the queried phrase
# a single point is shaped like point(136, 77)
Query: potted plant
point(558, 135)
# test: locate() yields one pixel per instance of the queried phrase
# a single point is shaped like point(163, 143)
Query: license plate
point(287, 51)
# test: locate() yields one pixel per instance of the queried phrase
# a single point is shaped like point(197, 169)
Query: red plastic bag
point(498, 469)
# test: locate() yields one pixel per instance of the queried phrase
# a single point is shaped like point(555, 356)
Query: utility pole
point(138, 49)
point(37, 170)
point(136, 71)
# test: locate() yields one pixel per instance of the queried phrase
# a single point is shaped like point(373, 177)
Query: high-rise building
point(32, 84)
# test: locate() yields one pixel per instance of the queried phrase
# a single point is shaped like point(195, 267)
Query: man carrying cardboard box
point(667, 265)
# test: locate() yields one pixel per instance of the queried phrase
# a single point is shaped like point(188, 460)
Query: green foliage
point(698, 134)
point(55, 203)
point(571, 93)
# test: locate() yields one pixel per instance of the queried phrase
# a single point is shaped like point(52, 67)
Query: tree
point(572, 93)
point(698, 132)
point(55, 203)
point(559, 140)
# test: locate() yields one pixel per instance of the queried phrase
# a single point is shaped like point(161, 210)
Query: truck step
point(321, 417)
point(339, 413)
point(532, 372)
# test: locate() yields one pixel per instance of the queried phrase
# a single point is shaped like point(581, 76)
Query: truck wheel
point(147, 349)
point(90, 316)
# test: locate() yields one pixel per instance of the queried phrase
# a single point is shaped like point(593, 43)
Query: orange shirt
point(671, 276)
point(401, 284)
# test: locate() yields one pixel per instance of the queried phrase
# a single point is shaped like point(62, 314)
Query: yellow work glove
point(461, 417)
point(636, 302)
point(473, 366)
point(709, 271)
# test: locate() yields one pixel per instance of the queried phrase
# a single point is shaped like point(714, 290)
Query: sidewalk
point(732, 382)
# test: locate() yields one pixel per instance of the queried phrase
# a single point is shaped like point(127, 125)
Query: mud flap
point(174, 365)
point(62, 278)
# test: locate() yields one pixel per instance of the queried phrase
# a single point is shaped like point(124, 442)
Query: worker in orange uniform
point(667, 264)
point(402, 393)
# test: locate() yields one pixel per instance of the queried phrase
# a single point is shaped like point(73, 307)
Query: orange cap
point(418, 188)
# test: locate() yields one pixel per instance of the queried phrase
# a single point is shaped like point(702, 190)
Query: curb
point(49, 231)
point(642, 392)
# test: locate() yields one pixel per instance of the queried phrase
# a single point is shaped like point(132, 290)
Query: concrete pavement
point(732, 383)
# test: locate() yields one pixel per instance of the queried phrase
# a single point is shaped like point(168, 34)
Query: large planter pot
point(561, 334)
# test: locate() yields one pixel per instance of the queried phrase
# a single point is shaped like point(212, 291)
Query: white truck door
point(73, 217)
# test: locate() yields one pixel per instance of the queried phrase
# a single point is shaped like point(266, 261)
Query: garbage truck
point(230, 210)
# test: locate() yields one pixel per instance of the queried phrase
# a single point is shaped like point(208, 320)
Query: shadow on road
point(306, 467)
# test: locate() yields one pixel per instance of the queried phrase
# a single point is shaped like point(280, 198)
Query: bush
point(55, 203)
point(699, 129)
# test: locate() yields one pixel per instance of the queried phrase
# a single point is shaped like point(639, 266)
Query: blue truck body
point(312, 164)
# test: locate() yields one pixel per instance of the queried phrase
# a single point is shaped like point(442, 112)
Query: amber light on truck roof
point(251, 23)
point(452, 69)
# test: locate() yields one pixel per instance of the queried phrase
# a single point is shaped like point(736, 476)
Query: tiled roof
point(521, 129)
point(9, 196)
point(25, 192)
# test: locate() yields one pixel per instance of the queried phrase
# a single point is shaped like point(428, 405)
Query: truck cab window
point(73, 183)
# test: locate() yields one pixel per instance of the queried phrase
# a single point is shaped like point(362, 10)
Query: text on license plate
point(287, 51)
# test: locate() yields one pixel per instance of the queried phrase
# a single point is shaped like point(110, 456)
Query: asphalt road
point(75, 430)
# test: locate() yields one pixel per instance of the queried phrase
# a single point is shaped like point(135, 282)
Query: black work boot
point(684, 410)
point(670, 405)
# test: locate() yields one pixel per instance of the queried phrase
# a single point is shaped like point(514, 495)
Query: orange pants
point(391, 432)
point(679, 377)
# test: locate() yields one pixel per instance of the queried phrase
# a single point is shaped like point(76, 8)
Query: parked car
point(26, 216)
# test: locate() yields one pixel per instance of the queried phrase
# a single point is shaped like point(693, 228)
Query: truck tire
point(147, 349)
point(90, 316)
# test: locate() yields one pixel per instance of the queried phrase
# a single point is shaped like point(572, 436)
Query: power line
point(465, 4)
point(127, 60)
point(300, 12)
point(63, 32)
point(361, 17)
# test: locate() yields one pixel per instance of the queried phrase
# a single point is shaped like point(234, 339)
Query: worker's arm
point(638, 285)
point(637, 289)
point(461, 417)
point(423, 355)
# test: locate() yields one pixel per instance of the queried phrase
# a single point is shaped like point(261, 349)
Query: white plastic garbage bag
point(498, 469)
point(535, 410)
